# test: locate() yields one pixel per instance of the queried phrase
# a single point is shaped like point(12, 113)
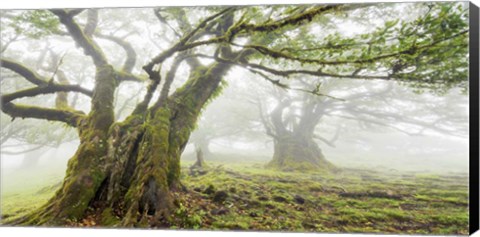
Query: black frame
point(474, 118)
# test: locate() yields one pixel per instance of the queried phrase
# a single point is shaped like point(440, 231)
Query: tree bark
point(293, 153)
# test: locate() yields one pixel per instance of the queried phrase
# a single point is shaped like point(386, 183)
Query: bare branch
point(92, 22)
point(164, 21)
point(23, 71)
point(168, 82)
point(155, 81)
point(126, 76)
point(23, 151)
point(131, 55)
point(5, 46)
point(46, 89)
point(24, 111)
point(326, 141)
point(89, 46)
point(75, 12)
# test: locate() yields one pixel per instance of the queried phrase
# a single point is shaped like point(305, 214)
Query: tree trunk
point(204, 146)
point(124, 174)
point(31, 159)
point(200, 163)
point(294, 153)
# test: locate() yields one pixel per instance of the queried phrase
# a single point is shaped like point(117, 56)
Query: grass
point(25, 190)
point(359, 201)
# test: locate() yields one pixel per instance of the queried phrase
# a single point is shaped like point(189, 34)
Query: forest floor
point(245, 196)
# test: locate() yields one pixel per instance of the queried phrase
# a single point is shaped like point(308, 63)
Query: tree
point(300, 123)
point(223, 122)
point(131, 168)
point(33, 138)
point(292, 124)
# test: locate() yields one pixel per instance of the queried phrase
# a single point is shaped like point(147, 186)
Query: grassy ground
point(24, 190)
point(245, 196)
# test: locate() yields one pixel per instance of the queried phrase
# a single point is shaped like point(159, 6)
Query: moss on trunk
point(292, 153)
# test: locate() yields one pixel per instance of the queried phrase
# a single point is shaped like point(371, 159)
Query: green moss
point(108, 219)
point(102, 115)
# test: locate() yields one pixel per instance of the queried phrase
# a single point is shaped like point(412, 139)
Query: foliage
point(36, 24)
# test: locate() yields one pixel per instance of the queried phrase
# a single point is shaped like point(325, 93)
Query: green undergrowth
point(361, 201)
point(246, 196)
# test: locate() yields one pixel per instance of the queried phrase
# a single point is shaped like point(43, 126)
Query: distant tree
point(224, 122)
point(294, 122)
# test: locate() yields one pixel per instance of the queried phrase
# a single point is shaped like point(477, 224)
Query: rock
point(279, 199)
point(269, 206)
point(285, 181)
point(316, 189)
point(220, 196)
point(202, 172)
point(236, 197)
point(300, 209)
point(263, 198)
point(308, 225)
point(254, 203)
point(209, 190)
point(299, 199)
point(220, 211)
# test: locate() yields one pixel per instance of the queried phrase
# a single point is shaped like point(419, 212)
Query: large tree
point(300, 124)
point(131, 168)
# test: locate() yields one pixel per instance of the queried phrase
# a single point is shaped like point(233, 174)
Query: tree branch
point(75, 12)
point(92, 22)
point(126, 76)
point(131, 55)
point(24, 111)
point(326, 141)
point(23, 71)
point(89, 46)
point(307, 15)
point(45, 89)
point(287, 73)
point(168, 82)
point(182, 46)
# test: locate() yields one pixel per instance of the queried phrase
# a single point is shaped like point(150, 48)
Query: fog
point(359, 123)
point(428, 133)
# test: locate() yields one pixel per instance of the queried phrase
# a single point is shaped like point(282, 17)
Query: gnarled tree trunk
point(296, 153)
point(294, 146)
point(129, 169)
